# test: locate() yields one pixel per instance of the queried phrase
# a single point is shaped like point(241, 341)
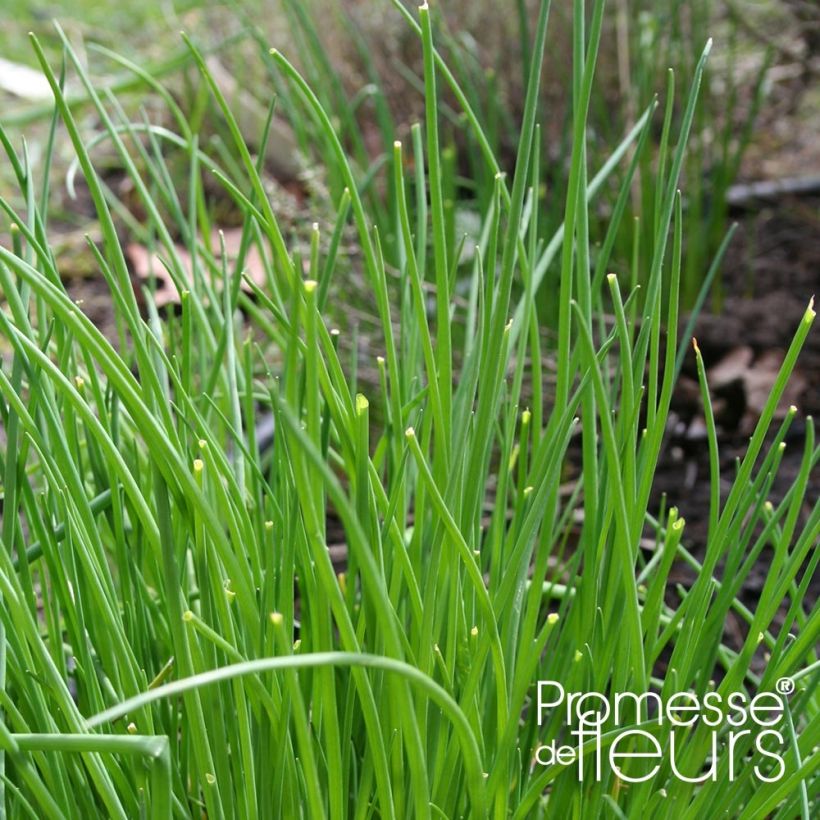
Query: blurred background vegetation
point(758, 119)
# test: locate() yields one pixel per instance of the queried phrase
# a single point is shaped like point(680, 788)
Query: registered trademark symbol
point(785, 686)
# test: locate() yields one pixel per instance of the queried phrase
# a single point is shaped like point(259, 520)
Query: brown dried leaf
point(738, 371)
point(144, 264)
point(732, 367)
point(759, 381)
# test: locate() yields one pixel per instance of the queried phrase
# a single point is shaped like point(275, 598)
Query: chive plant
point(644, 40)
point(176, 640)
point(724, 121)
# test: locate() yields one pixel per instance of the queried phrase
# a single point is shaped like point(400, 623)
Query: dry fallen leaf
point(144, 264)
point(756, 377)
point(760, 378)
point(733, 366)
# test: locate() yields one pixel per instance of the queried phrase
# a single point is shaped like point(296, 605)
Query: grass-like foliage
point(176, 640)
